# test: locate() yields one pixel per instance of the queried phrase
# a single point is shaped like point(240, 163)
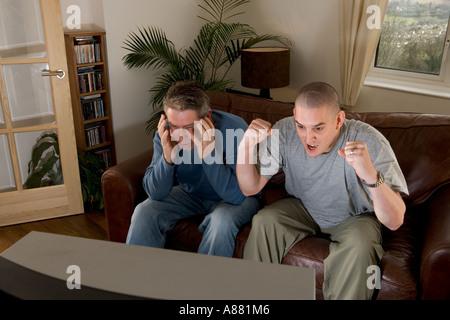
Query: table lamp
point(265, 68)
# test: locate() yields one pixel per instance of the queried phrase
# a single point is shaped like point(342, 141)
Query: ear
point(209, 114)
point(340, 119)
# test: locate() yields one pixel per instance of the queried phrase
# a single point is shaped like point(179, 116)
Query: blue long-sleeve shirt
point(213, 178)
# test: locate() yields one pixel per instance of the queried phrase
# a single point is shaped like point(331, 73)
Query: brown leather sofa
point(416, 264)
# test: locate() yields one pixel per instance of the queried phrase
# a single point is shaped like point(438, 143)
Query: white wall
point(312, 26)
point(373, 99)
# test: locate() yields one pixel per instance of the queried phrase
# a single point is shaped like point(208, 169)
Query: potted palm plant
point(215, 49)
point(91, 170)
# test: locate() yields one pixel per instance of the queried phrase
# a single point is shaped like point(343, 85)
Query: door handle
point(60, 74)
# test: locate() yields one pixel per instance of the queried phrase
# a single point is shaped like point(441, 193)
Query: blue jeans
point(152, 219)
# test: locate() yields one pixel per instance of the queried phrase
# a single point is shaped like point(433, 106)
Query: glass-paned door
point(39, 175)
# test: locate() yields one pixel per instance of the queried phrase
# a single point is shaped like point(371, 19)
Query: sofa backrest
point(421, 142)
point(250, 108)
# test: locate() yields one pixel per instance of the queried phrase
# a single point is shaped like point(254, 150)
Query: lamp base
point(265, 93)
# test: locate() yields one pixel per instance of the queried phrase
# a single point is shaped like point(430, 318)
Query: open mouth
point(311, 148)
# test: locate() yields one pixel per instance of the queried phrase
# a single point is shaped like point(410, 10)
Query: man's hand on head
point(204, 137)
point(166, 140)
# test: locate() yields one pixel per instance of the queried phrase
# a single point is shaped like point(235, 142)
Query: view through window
point(414, 36)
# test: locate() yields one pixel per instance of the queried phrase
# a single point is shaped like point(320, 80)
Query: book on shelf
point(95, 134)
point(87, 50)
point(90, 79)
point(105, 155)
point(92, 106)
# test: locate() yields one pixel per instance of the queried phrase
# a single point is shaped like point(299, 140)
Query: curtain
point(360, 24)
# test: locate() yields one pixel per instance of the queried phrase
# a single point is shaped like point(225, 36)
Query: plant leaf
point(36, 179)
point(149, 48)
point(218, 9)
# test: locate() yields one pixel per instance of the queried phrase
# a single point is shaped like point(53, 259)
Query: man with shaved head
point(343, 181)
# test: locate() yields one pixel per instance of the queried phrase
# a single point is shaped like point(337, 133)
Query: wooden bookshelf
point(88, 74)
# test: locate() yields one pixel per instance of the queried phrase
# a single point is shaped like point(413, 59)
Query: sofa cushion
point(250, 108)
point(220, 100)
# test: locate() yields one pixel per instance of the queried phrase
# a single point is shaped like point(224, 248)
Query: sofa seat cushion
point(310, 253)
point(400, 263)
point(185, 236)
point(397, 282)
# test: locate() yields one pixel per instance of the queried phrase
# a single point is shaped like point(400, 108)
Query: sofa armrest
point(122, 190)
point(435, 262)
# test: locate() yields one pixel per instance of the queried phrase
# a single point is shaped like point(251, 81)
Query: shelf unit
point(89, 87)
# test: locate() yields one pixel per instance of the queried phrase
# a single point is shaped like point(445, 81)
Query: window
point(414, 36)
point(413, 50)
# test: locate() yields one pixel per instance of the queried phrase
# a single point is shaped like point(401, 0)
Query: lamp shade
point(265, 68)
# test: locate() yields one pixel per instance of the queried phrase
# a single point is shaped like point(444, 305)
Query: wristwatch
point(379, 182)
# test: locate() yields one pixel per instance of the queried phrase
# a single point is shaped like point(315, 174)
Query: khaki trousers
point(355, 245)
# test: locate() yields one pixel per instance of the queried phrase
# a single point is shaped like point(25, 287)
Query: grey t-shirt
point(327, 185)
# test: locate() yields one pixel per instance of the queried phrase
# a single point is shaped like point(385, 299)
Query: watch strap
point(379, 182)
